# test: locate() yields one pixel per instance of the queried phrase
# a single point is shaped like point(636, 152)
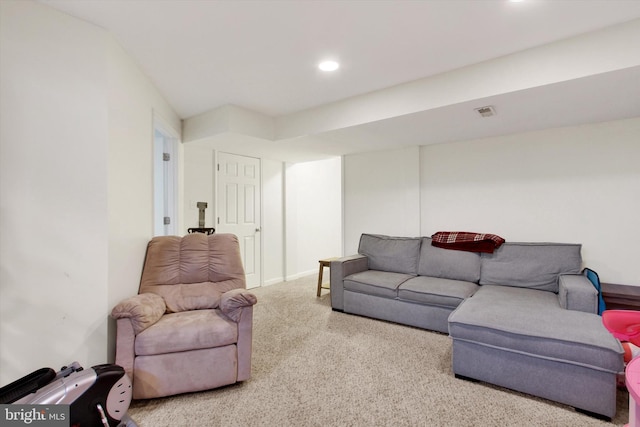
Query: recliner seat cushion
point(187, 330)
point(532, 322)
point(379, 283)
point(530, 265)
point(448, 263)
point(394, 254)
point(436, 291)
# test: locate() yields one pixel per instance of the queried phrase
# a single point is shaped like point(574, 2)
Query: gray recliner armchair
point(190, 327)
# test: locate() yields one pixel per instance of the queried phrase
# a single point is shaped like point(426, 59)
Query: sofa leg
point(593, 414)
point(462, 377)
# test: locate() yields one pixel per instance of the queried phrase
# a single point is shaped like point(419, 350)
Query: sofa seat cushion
point(374, 282)
point(531, 322)
point(436, 291)
point(187, 330)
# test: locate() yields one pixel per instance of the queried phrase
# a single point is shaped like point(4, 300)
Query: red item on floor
point(623, 324)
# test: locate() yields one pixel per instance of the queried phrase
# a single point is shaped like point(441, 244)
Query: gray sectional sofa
point(523, 317)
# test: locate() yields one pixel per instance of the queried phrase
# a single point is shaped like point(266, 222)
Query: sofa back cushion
point(448, 263)
point(530, 265)
point(393, 254)
point(191, 272)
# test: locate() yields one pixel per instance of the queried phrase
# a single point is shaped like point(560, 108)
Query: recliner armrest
point(143, 310)
point(232, 302)
point(125, 344)
point(576, 292)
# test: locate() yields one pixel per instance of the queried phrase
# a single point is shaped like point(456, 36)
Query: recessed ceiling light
point(328, 65)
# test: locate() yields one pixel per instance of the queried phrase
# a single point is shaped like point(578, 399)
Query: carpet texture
point(315, 367)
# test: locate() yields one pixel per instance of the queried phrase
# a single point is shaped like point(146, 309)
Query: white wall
point(53, 180)
point(381, 195)
point(198, 185)
point(75, 185)
point(133, 101)
point(301, 210)
point(312, 215)
point(273, 263)
point(576, 184)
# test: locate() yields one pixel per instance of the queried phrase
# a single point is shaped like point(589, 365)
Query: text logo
point(34, 415)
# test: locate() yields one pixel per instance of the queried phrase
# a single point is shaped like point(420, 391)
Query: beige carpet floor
point(316, 367)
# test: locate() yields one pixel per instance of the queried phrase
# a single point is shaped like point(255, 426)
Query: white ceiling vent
point(487, 111)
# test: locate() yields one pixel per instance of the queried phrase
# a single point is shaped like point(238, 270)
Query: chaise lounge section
point(523, 317)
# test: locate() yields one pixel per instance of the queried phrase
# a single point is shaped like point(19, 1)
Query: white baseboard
point(273, 281)
point(302, 274)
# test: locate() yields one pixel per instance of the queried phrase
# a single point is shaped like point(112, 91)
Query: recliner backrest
point(191, 272)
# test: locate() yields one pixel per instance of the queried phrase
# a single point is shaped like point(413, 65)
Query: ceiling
point(262, 56)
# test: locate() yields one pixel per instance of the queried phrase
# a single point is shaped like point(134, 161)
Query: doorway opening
point(165, 178)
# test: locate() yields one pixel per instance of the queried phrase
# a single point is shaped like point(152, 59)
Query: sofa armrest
point(142, 310)
point(234, 301)
point(576, 292)
point(341, 268)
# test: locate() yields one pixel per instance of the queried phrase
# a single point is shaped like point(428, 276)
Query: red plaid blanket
point(466, 241)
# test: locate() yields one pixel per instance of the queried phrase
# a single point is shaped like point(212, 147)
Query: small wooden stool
point(323, 263)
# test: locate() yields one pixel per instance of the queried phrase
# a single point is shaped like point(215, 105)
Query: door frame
point(165, 177)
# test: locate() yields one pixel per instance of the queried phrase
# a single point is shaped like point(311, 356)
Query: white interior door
point(238, 198)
